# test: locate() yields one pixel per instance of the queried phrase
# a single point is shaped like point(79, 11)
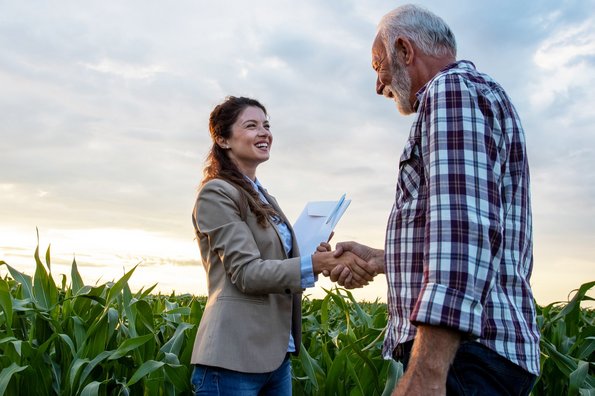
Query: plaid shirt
point(459, 250)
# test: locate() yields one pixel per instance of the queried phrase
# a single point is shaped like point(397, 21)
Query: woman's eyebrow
point(256, 121)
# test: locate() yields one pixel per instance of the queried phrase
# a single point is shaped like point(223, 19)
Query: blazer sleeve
point(232, 241)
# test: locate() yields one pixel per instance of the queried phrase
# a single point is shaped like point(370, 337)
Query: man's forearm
point(433, 351)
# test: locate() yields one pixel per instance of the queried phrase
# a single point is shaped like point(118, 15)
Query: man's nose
point(379, 86)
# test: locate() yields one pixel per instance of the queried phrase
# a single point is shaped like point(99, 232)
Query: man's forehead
point(378, 50)
point(378, 46)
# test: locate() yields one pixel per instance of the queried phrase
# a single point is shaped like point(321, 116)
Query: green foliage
point(105, 340)
point(567, 347)
point(92, 340)
point(341, 347)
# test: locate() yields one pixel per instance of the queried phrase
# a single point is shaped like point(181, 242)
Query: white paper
point(317, 221)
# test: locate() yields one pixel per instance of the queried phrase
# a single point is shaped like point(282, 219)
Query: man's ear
point(405, 50)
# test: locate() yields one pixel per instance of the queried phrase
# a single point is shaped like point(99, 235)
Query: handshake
point(351, 264)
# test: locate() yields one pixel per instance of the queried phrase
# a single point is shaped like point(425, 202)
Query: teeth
point(262, 145)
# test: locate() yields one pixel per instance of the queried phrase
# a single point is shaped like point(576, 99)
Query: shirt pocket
point(411, 173)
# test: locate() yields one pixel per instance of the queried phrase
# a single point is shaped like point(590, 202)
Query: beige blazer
point(254, 288)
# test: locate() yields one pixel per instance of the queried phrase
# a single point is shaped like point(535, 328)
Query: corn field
point(78, 339)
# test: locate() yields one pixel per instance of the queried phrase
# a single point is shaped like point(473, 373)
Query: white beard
point(400, 88)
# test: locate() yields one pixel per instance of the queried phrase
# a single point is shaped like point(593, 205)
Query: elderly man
point(458, 250)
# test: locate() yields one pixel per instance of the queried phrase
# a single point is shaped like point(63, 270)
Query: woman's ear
point(221, 142)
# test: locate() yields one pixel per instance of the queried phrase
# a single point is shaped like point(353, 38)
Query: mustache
point(388, 92)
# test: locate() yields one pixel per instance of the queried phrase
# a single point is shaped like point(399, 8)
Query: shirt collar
point(255, 183)
point(462, 64)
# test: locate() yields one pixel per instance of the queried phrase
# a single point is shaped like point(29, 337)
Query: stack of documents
point(317, 221)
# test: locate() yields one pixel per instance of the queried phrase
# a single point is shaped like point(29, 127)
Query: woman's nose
point(263, 131)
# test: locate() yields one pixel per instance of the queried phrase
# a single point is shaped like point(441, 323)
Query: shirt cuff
point(308, 279)
point(439, 305)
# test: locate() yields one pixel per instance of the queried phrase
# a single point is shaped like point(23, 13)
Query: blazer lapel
point(295, 252)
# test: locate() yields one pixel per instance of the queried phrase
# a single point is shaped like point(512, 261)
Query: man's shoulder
point(458, 69)
point(460, 75)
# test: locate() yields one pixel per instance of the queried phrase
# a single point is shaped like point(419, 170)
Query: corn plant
point(567, 347)
point(92, 340)
point(341, 348)
point(80, 339)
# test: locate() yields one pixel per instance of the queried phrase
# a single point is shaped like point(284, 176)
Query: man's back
point(459, 246)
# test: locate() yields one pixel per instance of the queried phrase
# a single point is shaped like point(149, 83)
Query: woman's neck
point(249, 173)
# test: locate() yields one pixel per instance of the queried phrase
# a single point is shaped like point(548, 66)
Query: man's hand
point(324, 261)
point(359, 271)
point(433, 351)
point(373, 259)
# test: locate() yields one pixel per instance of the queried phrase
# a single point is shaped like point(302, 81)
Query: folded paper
point(317, 221)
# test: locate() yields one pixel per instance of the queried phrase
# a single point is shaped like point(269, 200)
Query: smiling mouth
point(262, 146)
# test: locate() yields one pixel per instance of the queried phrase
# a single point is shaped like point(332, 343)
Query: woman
point(252, 318)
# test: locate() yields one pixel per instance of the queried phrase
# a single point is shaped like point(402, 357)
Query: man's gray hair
point(426, 30)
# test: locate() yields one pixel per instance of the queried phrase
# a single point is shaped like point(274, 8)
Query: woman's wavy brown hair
point(220, 166)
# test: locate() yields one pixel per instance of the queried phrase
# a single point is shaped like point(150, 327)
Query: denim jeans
point(215, 381)
point(477, 370)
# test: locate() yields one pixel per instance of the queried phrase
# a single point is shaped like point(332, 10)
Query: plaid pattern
point(459, 247)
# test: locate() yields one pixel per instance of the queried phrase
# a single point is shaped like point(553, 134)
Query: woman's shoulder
point(218, 186)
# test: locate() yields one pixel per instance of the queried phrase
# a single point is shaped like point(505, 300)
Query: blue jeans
point(215, 381)
point(477, 370)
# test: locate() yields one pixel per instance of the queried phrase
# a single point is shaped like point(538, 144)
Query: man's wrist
point(433, 351)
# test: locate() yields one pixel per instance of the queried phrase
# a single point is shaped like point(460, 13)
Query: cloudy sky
point(104, 108)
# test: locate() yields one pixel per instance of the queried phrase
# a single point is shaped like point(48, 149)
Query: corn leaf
point(128, 345)
point(6, 305)
point(174, 344)
point(7, 373)
point(75, 278)
point(395, 372)
point(68, 341)
point(23, 280)
point(91, 389)
point(75, 369)
point(310, 366)
point(177, 374)
point(586, 349)
point(44, 287)
point(577, 378)
point(146, 293)
point(145, 369)
point(92, 364)
point(570, 313)
point(117, 288)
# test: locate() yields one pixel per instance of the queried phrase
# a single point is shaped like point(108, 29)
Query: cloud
point(566, 58)
point(105, 108)
point(124, 70)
